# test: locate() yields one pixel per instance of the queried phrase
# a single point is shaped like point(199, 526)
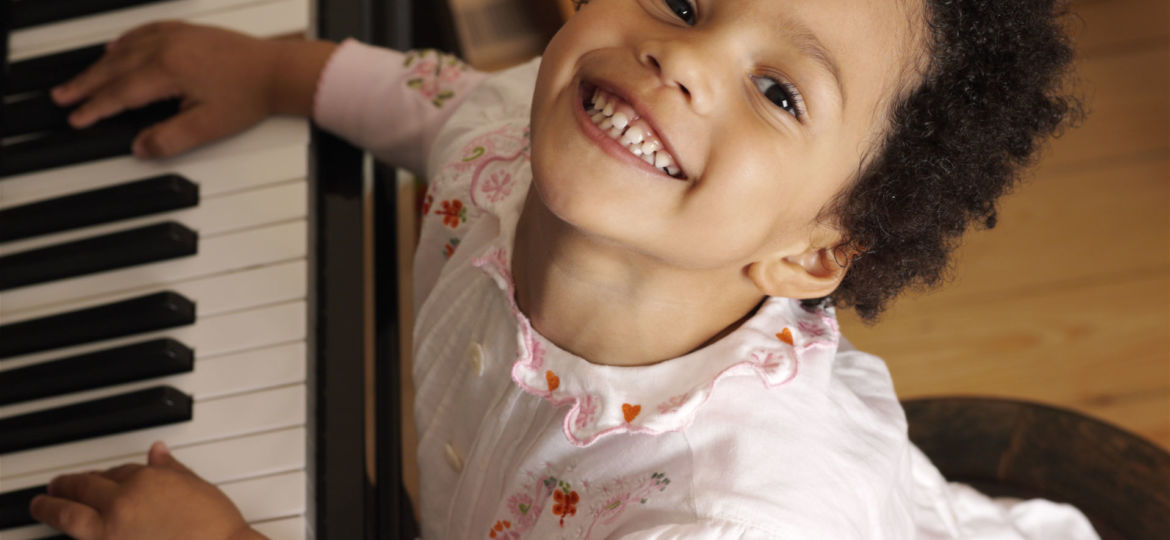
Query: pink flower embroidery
point(433, 74)
point(537, 355)
point(767, 360)
point(673, 404)
point(586, 412)
point(520, 505)
point(497, 186)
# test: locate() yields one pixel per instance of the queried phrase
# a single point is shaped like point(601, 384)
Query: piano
point(220, 301)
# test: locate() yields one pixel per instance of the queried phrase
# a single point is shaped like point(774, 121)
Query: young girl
point(617, 238)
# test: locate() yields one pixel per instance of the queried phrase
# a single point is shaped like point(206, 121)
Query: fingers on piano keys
point(142, 301)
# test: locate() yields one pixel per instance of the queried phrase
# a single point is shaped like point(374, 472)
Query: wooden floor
point(1067, 300)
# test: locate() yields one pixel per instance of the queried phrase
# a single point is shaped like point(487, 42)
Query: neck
point(610, 305)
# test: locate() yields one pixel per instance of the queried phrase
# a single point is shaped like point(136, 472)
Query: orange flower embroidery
point(499, 528)
point(453, 212)
point(631, 411)
point(785, 336)
point(553, 380)
point(565, 504)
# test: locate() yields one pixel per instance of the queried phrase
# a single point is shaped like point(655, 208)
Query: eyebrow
point(810, 46)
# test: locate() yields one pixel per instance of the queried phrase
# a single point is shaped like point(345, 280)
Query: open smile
point(622, 130)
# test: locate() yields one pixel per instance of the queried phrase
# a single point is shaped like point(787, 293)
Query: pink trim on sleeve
point(388, 102)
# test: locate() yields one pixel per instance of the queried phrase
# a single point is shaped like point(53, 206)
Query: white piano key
point(292, 528)
point(30, 532)
point(219, 461)
point(217, 255)
point(209, 336)
point(271, 18)
point(212, 377)
point(212, 216)
point(272, 151)
point(223, 418)
point(266, 498)
point(276, 496)
point(214, 294)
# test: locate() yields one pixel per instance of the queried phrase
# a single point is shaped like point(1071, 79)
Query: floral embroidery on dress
point(564, 499)
point(453, 213)
point(498, 186)
point(673, 404)
point(449, 247)
point(587, 410)
point(602, 506)
point(500, 530)
point(433, 74)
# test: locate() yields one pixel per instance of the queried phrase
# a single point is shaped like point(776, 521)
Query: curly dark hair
point(993, 88)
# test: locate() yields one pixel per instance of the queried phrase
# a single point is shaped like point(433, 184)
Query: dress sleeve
point(388, 102)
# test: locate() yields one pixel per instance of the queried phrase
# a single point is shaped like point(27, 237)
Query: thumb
point(160, 456)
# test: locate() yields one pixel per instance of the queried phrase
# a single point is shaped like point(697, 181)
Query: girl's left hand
point(162, 499)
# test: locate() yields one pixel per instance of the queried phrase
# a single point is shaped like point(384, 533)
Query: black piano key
point(109, 138)
point(44, 72)
point(33, 12)
point(143, 245)
point(156, 311)
point(123, 201)
point(14, 507)
point(106, 416)
point(129, 363)
point(33, 113)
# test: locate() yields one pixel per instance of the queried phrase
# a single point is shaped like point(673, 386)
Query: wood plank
point(1108, 26)
point(1128, 111)
point(1100, 349)
point(1065, 226)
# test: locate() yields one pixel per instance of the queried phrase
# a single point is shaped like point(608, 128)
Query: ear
point(813, 273)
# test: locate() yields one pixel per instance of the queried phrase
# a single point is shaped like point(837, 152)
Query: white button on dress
point(475, 357)
point(453, 458)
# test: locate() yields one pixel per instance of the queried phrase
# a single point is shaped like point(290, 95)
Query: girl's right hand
point(226, 82)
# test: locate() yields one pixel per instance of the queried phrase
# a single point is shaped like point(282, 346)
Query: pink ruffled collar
point(664, 397)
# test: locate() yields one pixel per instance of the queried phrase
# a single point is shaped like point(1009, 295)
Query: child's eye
point(783, 94)
point(684, 9)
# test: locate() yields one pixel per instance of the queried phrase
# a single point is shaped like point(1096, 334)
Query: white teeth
point(624, 127)
point(662, 159)
point(634, 137)
point(620, 120)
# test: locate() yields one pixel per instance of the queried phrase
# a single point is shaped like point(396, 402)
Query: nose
point(680, 65)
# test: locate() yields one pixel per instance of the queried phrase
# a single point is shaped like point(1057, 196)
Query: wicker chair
point(1021, 449)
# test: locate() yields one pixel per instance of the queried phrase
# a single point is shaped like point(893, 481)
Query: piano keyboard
point(247, 279)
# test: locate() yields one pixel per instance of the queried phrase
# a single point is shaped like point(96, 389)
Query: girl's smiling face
point(763, 111)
